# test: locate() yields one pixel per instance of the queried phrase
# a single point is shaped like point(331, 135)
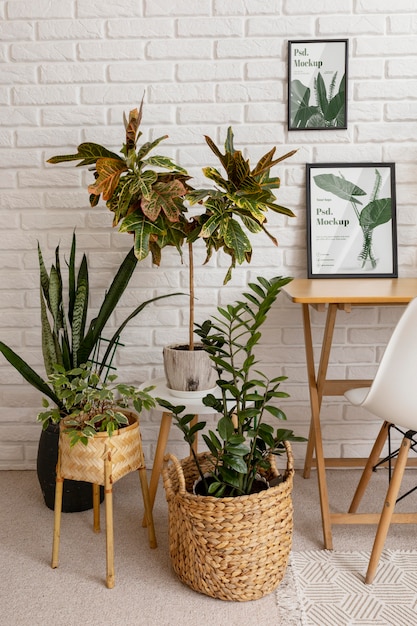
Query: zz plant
point(244, 440)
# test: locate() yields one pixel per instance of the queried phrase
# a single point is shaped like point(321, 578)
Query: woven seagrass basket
point(86, 463)
point(228, 548)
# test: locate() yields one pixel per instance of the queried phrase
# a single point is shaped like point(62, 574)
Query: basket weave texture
point(234, 548)
point(86, 463)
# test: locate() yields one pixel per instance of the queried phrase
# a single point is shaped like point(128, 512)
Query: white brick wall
point(69, 70)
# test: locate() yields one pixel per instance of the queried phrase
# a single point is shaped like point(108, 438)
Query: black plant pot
point(78, 496)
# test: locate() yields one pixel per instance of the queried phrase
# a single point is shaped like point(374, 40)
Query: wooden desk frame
point(338, 294)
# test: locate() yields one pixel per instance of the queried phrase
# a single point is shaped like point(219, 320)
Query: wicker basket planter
point(228, 548)
point(86, 463)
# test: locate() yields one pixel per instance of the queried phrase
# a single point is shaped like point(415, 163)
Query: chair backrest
point(393, 394)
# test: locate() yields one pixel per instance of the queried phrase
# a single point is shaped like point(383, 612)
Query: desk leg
point(159, 457)
point(316, 387)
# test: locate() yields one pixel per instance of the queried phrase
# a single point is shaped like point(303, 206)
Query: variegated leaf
point(109, 172)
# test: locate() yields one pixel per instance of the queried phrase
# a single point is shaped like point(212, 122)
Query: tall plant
point(146, 194)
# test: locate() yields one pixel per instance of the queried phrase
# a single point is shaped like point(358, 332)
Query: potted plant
point(100, 442)
point(69, 342)
point(146, 194)
point(229, 540)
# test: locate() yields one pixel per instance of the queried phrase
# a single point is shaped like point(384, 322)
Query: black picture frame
point(351, 220)
point(317, 84)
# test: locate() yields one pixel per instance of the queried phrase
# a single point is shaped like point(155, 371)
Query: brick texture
point(68, 72)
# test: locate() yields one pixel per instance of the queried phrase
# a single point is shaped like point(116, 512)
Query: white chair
point(393, 398)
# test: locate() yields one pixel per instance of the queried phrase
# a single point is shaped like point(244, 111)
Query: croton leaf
point(109, 171)
point(236, 239)
point(164, 198)
point(135, 117)
point(88, 153)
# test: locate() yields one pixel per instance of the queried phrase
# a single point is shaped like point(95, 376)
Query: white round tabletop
point(192, 405)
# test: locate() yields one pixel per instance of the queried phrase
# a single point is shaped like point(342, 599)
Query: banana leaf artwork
point(351, 219)
point(317, 84)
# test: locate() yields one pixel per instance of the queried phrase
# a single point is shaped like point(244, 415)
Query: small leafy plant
point(88, 405)
point(244, 440)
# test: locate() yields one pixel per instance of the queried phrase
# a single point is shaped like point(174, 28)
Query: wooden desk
point(333, 295)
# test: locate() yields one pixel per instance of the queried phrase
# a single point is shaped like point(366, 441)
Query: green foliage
point(66, 340)
point(145, 192)
point(88, 405)
point(243, 441)
point(148, 202)
point(238, 204)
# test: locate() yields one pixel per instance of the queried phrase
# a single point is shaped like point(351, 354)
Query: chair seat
point(358, 395)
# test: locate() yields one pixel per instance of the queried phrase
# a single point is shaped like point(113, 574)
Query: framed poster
point(317, 84)
point(351, 220)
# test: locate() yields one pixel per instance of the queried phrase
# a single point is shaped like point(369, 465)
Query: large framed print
point(351, 220)
point(317, 84)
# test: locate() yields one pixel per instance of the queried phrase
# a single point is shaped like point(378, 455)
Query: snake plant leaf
point(50, 345)
point(43, 274)
point(28, 373)
point(110, 302)
point(80, 309)
point(127, 320)
point(71, 279)
point(109, 172)
point(55, 297)
point(88, 153)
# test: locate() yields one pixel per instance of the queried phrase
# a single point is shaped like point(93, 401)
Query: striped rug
point(331, 590)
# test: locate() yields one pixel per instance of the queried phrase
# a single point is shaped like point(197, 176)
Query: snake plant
point(67, 341)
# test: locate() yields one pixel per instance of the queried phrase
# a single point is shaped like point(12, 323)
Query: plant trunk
point(191, 285)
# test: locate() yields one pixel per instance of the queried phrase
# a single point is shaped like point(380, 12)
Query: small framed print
point(317, 84)
point(351, 220)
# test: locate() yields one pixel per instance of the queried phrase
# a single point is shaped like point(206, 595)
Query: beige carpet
point(146, 593)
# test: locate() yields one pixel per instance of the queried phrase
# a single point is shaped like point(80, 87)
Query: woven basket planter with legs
point(228, 548)
point(103, 461)
point(87, 462)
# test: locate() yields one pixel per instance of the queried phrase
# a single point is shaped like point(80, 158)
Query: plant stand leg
point(108, 498)
point(59, 488)
point(148, 518)
point(96, 508)
point(161, 445)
